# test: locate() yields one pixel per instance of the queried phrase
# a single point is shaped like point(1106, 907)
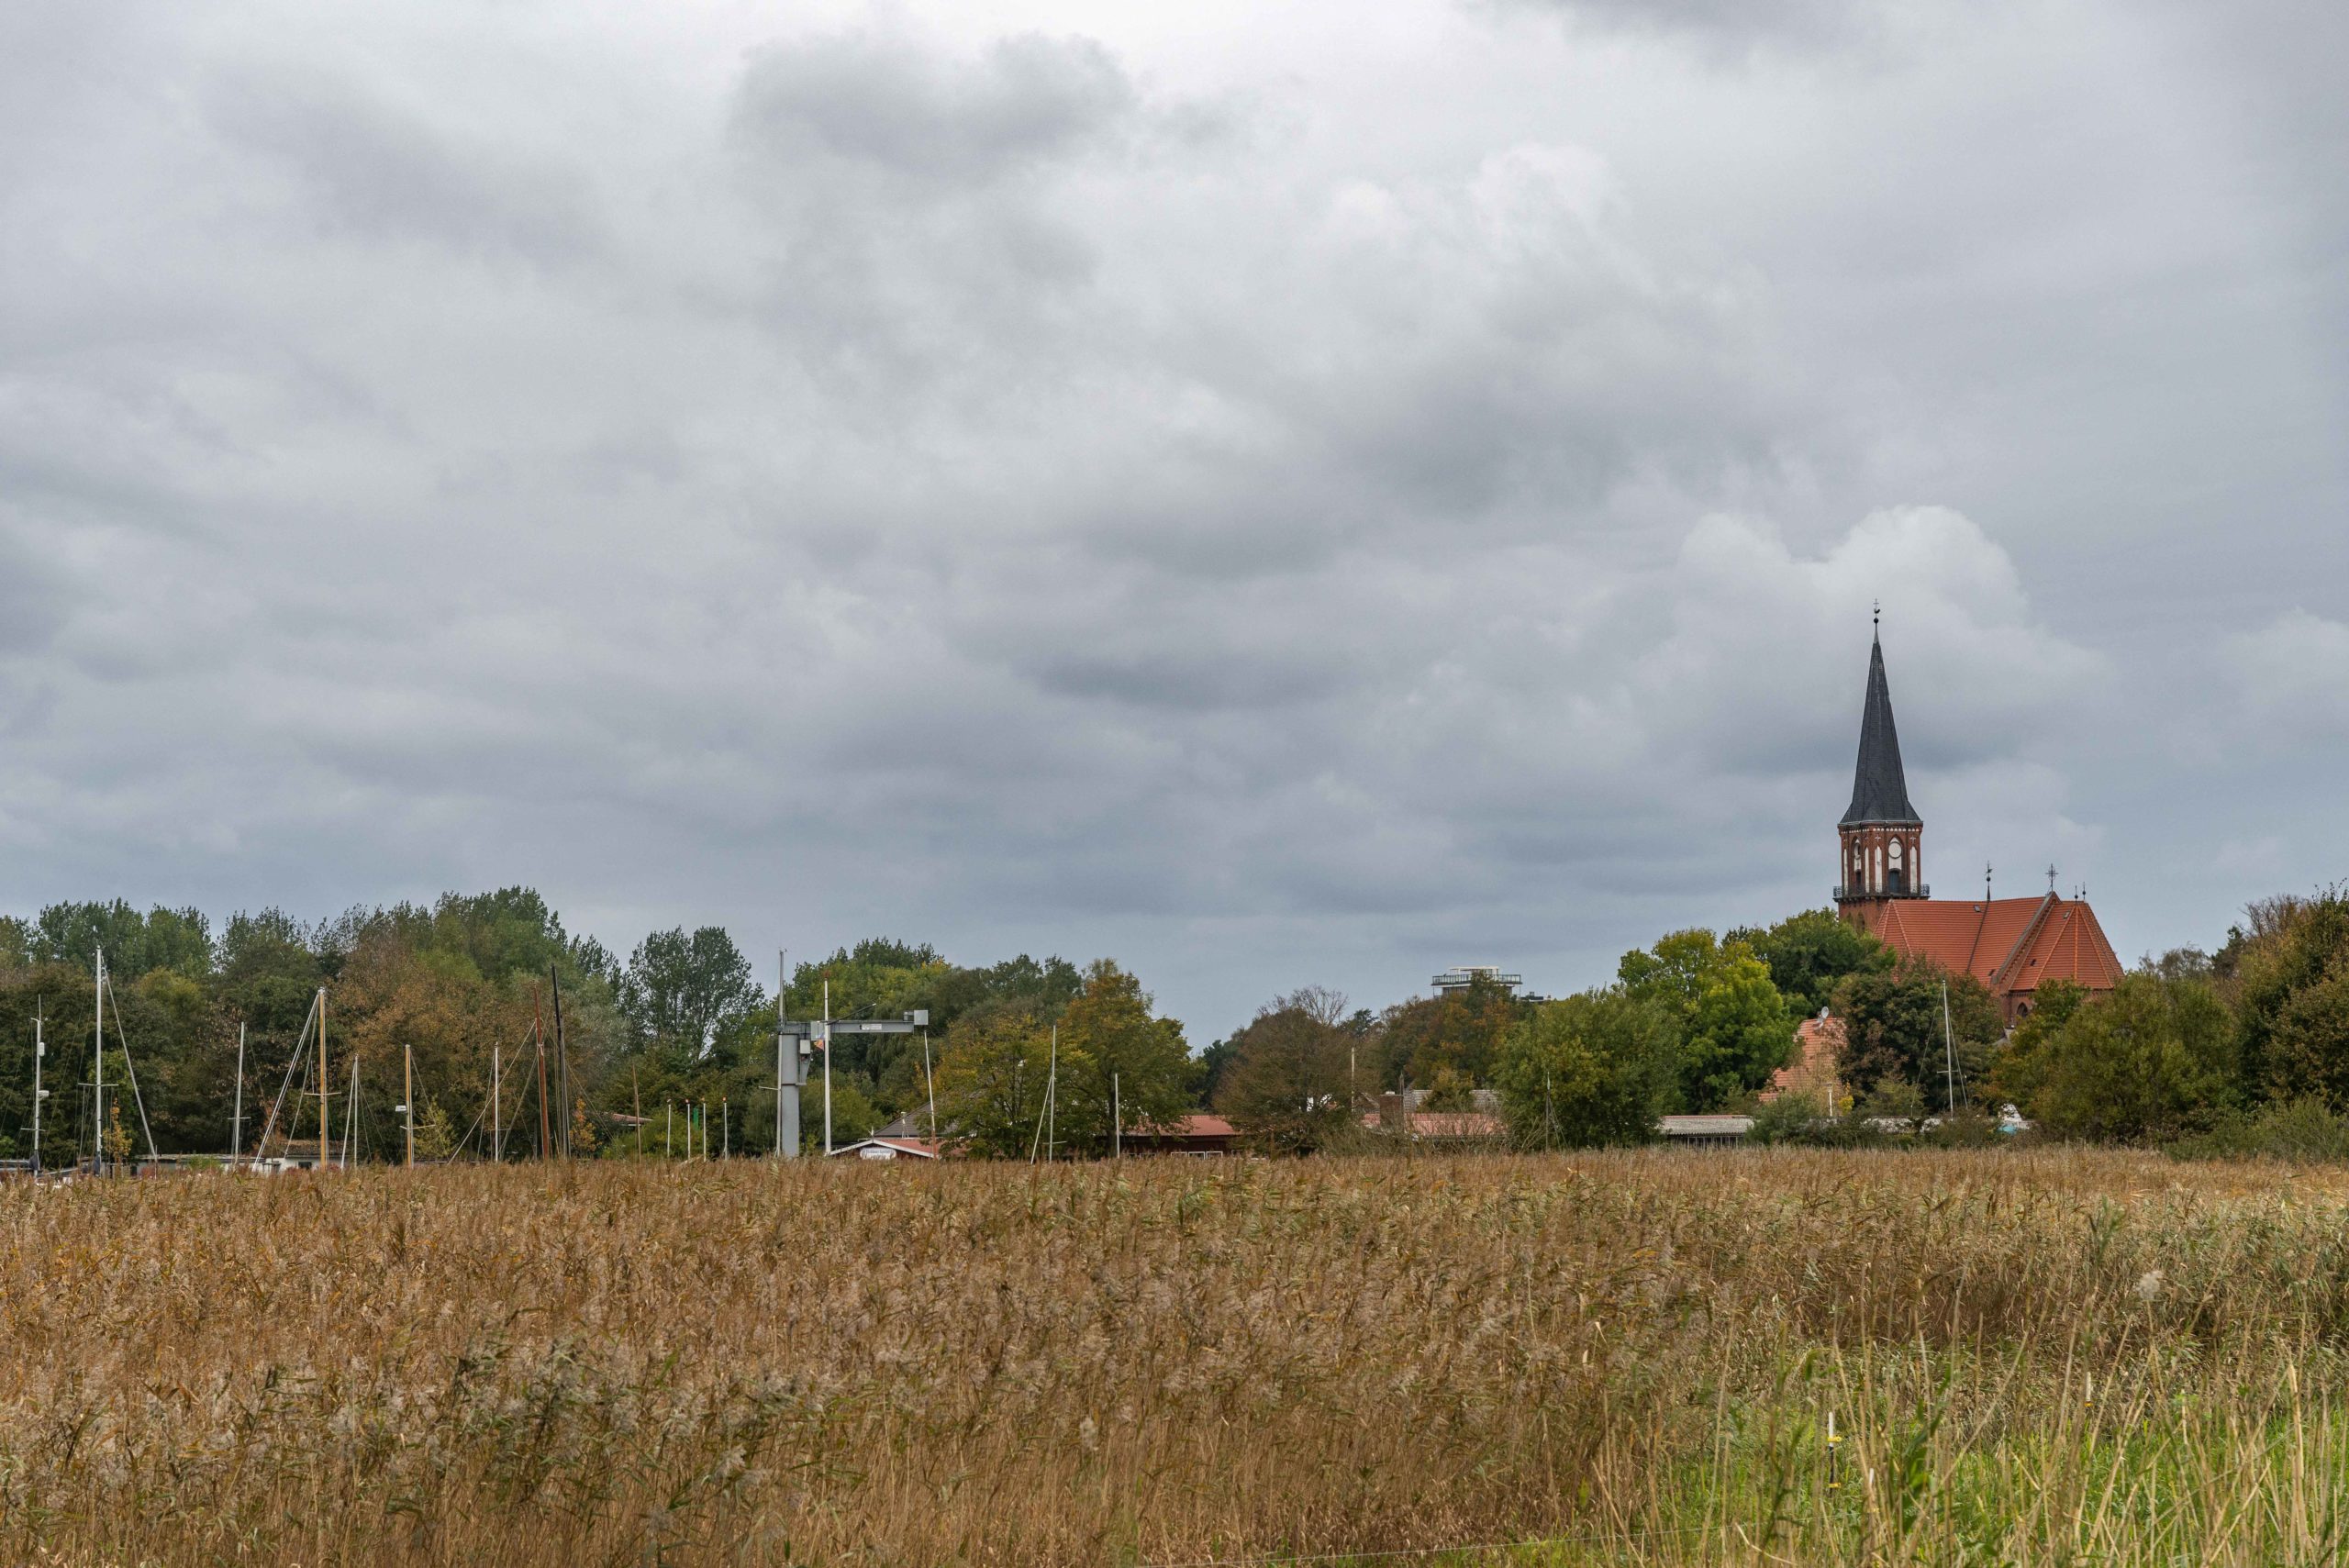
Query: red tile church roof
point(2011, 945)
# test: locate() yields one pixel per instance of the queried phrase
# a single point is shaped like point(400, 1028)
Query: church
point(2013, 945)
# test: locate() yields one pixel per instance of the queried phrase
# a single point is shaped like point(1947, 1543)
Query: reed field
point(2028, 1357)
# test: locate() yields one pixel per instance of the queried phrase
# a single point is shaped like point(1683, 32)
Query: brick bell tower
point(1881, 836)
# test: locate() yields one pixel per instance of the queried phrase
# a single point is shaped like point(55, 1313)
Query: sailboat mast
point(323, 1079)
point(237, 1116)
point(1949, 1050)
point(39, 1050)
point(99, 1104)
point(561, 1057)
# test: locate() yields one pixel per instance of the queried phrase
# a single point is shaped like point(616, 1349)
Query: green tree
point(1893, 1029)
point(1115, 1057)
point(991, 1083)
point(1460, 1030)
point(2020, 1068)
point(162, 939)
point(1809, 955)
point(1286, 1090)
point(1734, 1028)
point(1589, 1071)
point(2153, 1060)
point(1211, 1066)
point(2289, 974)
point(678, 992)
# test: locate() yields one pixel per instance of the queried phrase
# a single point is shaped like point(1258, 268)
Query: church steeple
point(1879, 789)
point(1881, 838)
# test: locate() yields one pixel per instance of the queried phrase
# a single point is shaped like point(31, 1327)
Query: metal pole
point(669, 1129)
point(1117, 1122)
point(322, 1078)
point(828, 1069)
point(786, 1064)
point(1949, 1050)
point(236, 1117)
point(408, 1093)
point(931, 1083)
point(350, 1114)
point(40, 1048)
point(496, 1105)
point(724, 1129)
point(99, 1101)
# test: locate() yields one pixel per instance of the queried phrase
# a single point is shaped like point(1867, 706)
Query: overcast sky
point(1277, 492)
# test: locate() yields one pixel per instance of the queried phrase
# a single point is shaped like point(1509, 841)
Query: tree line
point(2189, 1045)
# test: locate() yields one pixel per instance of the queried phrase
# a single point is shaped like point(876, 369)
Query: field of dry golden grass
point(2030, 1358)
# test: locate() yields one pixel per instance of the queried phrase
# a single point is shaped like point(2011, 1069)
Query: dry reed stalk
point(2032, 1357)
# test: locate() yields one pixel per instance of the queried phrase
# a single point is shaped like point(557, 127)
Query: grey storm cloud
point(888, 106)
point(1398, 487)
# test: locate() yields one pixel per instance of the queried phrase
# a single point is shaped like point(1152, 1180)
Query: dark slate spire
point(1879, 792)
